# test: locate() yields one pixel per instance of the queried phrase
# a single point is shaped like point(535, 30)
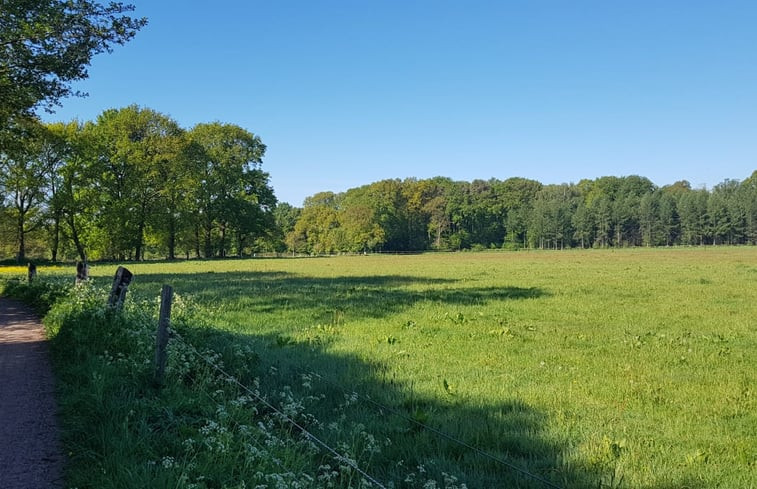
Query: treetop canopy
point(47, 44)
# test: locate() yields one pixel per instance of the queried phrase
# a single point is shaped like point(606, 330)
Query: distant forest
point(441, 214)
point(134, 185)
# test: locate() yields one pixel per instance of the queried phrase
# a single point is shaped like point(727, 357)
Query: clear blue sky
point(345, 93)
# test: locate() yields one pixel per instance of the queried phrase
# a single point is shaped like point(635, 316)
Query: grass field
point(627, 368)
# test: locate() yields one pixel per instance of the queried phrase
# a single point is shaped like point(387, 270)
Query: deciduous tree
point(47, 44)
point(230, 179)
point(23, 179)
point(137, 152)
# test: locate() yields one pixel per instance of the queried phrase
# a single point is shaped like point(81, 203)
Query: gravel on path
point(30, 452)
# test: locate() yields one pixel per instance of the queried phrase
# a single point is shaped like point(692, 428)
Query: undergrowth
point(39, 294)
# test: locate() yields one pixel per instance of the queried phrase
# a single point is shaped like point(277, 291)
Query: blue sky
point(345, 93)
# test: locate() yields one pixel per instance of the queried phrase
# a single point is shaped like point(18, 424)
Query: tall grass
point(627, 368)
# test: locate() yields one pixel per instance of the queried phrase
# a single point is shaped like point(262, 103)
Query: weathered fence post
point(161, 339)
point(120, 286)
point(82, 272)
point(32, 272)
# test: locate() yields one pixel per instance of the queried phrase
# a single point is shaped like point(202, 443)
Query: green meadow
point(626, 368)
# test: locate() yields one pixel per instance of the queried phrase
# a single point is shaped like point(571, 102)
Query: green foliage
point(41, 294)
point(135, 184)
point(285, 218)
point(23, 178)
point(120, 432)
point(441, 214)
point(232, 196)
point(135, 154)
point(48, 44)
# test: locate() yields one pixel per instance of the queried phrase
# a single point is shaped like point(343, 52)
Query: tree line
point(131, 184)
point(442, 214)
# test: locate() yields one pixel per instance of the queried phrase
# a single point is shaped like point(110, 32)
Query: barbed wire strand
point(210, 397)
point(283, 416)
point(438, 432)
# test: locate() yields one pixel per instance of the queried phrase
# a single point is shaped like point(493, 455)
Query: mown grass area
point(626, 368)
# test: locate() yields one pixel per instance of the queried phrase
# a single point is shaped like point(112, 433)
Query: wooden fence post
point(32, 272)
point(120, 285)
point(161, 339)
point(82, 272)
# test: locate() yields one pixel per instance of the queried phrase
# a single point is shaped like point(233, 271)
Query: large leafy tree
point(726, 213)
point(252, 217)
point(389, 204)
point(358, 220)
point(649, 218)
point(285, 218)
point(47, 44)
point(137, 151)
point(626, 205)
point(583, 223)
point(172, 219)
point(77, 191)
point(55, 150)
point(317, 229)
point(233, 195)
point(489, 212)
point(692, 208)
point(23, 179)
point(748, 196)
point(518, 196)
point(551, 224)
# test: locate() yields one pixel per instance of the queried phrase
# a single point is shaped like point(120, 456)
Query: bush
point(40, 294)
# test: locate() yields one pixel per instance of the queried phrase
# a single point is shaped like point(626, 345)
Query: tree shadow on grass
point(501, 444)
point(508, 430)
point(423, 438)
point(521, 451)
point(354, 297)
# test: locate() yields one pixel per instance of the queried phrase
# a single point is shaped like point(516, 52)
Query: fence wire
point(339, 457)
point(440, 433)
point(380, 406)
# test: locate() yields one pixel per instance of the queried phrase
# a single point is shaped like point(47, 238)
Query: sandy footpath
point(30, 456)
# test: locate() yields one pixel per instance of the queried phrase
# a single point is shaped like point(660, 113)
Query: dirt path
point(30, 455)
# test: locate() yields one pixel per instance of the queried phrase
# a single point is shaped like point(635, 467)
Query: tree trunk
point(197, 242)
point(139, 250)
point(21, 235)
point(208, 248)
point(222, 246)
point(240, 244)
point(75, 237)
point(171, 238)
point(56, 236)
